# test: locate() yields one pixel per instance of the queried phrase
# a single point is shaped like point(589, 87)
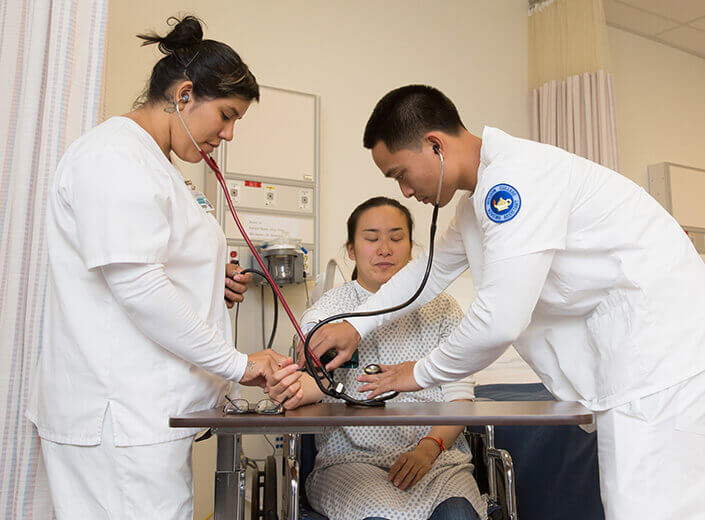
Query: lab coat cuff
point(456, 390)
point(240, 366)
point(421, 375)
point(363, 325)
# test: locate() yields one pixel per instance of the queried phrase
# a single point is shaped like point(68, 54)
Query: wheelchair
point(493, 471)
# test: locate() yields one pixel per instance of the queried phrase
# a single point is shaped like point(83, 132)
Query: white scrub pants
point(652, 455)
point(108, 482)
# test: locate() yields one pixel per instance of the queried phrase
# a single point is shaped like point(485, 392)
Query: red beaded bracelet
point(438, 441)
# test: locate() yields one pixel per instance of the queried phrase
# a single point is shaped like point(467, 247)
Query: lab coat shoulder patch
point(502, 203)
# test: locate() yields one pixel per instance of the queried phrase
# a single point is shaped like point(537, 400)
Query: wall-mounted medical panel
point(271, 170)
point(275, 138)
point(681, 190)
point(258, 195)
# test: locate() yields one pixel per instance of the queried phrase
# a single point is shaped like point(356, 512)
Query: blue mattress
point(556, 466)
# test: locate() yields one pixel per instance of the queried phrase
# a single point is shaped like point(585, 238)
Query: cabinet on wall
point(681, 190)
point(271, 168)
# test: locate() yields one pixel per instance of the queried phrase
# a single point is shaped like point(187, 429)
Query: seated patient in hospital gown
point(396, 472)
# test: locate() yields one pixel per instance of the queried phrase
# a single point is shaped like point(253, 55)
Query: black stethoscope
point(336, 389)
point(313, 365)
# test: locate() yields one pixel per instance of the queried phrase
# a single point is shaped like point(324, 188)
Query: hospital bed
point(556, 468)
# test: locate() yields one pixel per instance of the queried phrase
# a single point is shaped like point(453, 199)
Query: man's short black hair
point(404, 115)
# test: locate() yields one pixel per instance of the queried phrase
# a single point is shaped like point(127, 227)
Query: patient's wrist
point(430, 447)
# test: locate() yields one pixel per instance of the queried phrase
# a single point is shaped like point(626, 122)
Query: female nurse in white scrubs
point(136, 328)
point(593, 282)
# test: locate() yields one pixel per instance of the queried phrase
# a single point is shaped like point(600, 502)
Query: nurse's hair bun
point(187, 32)
point(213, 67)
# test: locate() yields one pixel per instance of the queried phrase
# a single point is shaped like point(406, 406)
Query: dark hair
point(376, 202)
point(404, 115)
point(214, 68)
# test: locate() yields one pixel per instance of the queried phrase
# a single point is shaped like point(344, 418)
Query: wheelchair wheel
point(500, 510)
point(264, 492)
point(269, 509)
point(255, 486)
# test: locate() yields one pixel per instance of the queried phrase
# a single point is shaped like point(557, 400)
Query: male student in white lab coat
point(597, 287)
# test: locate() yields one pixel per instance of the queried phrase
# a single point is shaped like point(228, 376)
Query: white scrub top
point(117, 199)
point(621, 313)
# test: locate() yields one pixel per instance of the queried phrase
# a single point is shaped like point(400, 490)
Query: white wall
point(660, 104)
point(350, 54)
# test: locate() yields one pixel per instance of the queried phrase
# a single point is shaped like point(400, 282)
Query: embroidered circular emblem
point(502, 203)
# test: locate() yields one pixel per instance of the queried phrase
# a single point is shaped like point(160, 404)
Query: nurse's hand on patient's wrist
point(235, 284)
point(260, 366)
point(284, 385)
point(342, 337)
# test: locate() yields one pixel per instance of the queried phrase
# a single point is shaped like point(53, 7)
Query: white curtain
point(572, 96)
point(51, 76)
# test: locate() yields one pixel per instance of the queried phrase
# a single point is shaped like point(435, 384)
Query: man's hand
point(410, 467)
point(235, 284)
point(398, 378)
point(260, 367)
point(284, 386)
point(342, 336)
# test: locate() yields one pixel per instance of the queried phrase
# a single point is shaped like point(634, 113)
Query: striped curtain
point(51, 76)
point(572, 89)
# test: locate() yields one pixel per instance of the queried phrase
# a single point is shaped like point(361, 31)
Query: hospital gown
point(350, 477)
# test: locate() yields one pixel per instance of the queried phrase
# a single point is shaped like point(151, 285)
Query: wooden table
point(230, 472)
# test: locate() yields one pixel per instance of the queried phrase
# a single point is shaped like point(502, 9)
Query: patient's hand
point(284, 385)
point(410, 467)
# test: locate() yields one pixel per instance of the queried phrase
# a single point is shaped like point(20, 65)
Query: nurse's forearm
point(500, 313)
point(161, 313)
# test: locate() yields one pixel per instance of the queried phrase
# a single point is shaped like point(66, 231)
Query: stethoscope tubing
point(311, 361)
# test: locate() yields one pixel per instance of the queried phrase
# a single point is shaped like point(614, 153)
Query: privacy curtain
point(572, 88)
point(51, 79)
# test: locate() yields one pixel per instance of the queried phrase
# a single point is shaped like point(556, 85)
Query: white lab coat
point(116, 199)
point(595, 284)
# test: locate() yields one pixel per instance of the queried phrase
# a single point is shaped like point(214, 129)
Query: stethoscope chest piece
point(373, 369)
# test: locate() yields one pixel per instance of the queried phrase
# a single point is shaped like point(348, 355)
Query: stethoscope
point(336, 389)
point(313, 365)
